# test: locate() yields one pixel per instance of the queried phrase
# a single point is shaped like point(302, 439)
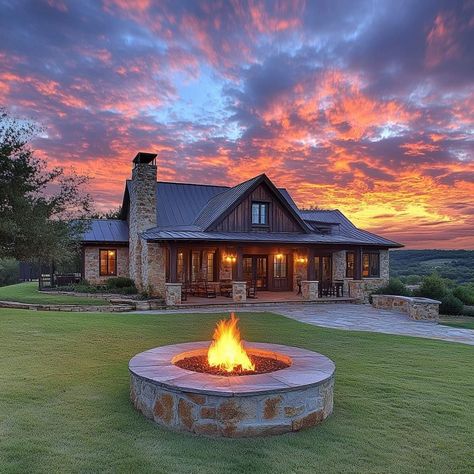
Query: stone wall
point(153, 268)
point(92, 263)
point(237, 416)
point(417, 308)
point(142, 217)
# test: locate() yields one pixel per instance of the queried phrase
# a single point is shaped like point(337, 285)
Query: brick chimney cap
point(144, 157)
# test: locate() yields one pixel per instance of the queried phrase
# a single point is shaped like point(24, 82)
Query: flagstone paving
point(351, 317)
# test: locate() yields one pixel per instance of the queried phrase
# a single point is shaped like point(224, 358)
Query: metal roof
point(106, 230)
point(269, 237)
point(185, 211)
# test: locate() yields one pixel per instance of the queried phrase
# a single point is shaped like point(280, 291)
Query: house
point(251, 236)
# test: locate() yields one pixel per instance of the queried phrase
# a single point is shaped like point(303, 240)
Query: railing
point(48, 280)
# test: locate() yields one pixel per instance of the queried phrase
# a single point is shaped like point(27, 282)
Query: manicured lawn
point(401, 404)
point(28, 293)
point(466, 322)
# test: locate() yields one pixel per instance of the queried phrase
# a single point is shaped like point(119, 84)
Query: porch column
point(358, 263)
point(239, 265)
point(173, 262)
point(311, 267)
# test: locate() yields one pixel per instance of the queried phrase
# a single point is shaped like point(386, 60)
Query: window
point(210, 266)
point(279, 266)
point(195, 265)
point(180, 266)
point(260, 213)
point(370, 265)
point(107, 262)
point(350, 259)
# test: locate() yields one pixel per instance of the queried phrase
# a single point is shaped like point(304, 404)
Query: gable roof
point(222, 204)
point(187, 211)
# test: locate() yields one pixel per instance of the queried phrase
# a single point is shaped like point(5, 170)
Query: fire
point(226, 350)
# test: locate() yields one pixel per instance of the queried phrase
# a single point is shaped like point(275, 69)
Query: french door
point(256, 269)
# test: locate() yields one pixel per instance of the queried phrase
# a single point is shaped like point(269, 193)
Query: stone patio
point(353, 317)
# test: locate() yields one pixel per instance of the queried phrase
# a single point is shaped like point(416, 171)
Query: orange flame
point(226, 350)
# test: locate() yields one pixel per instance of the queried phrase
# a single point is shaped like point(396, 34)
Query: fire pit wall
point(252, 405)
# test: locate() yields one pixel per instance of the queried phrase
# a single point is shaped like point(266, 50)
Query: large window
point(108, 262)
point(259, 213)
point(370, 264)
point(180, 266)
point(279, 266)
point(210, 266)
point(195, 265)
point(350, 259)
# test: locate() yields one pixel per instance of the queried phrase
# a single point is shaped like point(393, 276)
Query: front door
point(256, 270)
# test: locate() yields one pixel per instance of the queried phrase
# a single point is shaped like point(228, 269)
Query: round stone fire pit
point(284, 400)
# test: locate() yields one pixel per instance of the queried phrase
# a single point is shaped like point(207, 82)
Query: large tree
point(41, 208)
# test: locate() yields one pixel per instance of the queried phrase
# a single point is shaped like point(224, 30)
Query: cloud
point(361, 107)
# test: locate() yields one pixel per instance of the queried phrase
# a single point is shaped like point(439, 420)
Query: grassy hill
point(410, 265)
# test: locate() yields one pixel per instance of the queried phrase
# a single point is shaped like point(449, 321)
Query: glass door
point(255, 269)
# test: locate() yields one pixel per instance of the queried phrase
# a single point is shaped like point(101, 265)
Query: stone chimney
point(142, 210)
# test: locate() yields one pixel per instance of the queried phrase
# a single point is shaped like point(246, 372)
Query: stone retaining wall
point(118, 308)
point(419, 309)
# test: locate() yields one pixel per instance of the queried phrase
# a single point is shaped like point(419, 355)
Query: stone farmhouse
point(181, 240)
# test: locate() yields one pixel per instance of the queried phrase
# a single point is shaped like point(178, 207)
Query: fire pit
point(221, 388)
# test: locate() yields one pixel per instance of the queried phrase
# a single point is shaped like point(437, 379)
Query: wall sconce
point(279, 256)
point(301, 259)
point(230, 258)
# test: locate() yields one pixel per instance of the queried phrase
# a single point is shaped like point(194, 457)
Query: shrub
point(433, 287)
point(120, 282)
point(9, 271)
point(468, 311)
point(394, 287)
point(451, 305)
point(465, 294)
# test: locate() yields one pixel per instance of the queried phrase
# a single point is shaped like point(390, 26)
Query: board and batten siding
point(239, 219)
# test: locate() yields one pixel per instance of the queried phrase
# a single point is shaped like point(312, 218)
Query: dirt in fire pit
point(263, 365)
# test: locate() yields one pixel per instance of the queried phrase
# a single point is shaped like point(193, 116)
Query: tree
point(41, 209)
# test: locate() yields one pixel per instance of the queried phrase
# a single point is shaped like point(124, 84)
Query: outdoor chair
point(251, 289)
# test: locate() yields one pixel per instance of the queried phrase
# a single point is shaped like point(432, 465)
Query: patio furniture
point(298, 284)
point(225, 288)
point(252, 289)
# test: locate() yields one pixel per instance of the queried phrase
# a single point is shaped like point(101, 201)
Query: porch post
point(173, 263)
point(358, 263)
point(240, 265)
point(311, 267)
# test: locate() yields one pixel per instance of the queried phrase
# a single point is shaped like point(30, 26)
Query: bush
point(9, 271)
point(433, 287)
point(395, 287)
point(465, 294)
point(120, 282)
point(451, 305)
point(468, 311)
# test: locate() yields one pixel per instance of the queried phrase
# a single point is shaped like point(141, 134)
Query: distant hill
point(457, 265)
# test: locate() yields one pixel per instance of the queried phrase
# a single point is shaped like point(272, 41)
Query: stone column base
point(310, 290)
point(173, 294)
point(239, 291)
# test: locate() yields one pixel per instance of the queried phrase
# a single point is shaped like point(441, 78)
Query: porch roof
point(356, 237)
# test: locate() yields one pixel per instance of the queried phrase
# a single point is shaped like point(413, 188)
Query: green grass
point(401, 404)
point(29, 293)
point(466, 322)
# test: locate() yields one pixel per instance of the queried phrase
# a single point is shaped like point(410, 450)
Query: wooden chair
point(251, 289)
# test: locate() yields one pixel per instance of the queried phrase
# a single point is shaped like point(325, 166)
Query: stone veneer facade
point(142, 216)
point(419, 309)
point(92, 263)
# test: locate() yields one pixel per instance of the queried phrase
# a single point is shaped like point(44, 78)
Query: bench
point(417, 308)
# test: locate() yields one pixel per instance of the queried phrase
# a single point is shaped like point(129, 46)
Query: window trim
point(267, 214)
point(108, 274)
point(353, 264)
point(373, 253)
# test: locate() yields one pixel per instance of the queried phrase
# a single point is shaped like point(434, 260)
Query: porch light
point(230, 258)
point(279, 256)
point(301, 259)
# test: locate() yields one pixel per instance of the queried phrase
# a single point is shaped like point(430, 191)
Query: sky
point(363, 106)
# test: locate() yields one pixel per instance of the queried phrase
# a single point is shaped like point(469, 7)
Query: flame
point(226, 350)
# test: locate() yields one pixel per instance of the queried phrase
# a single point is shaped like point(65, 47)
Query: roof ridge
point(194, 184)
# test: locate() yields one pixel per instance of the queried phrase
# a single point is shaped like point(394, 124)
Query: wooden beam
point(358, 263)
point(239, 264)
point(311, 267)
point(173, 263)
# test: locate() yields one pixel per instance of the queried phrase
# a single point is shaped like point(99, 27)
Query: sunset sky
point(364, 106)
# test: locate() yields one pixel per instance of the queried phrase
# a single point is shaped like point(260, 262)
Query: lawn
point(29, 293)
point(401, 404)
point(466, 322)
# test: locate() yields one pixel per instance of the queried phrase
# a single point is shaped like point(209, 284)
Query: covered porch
point(219, 273)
